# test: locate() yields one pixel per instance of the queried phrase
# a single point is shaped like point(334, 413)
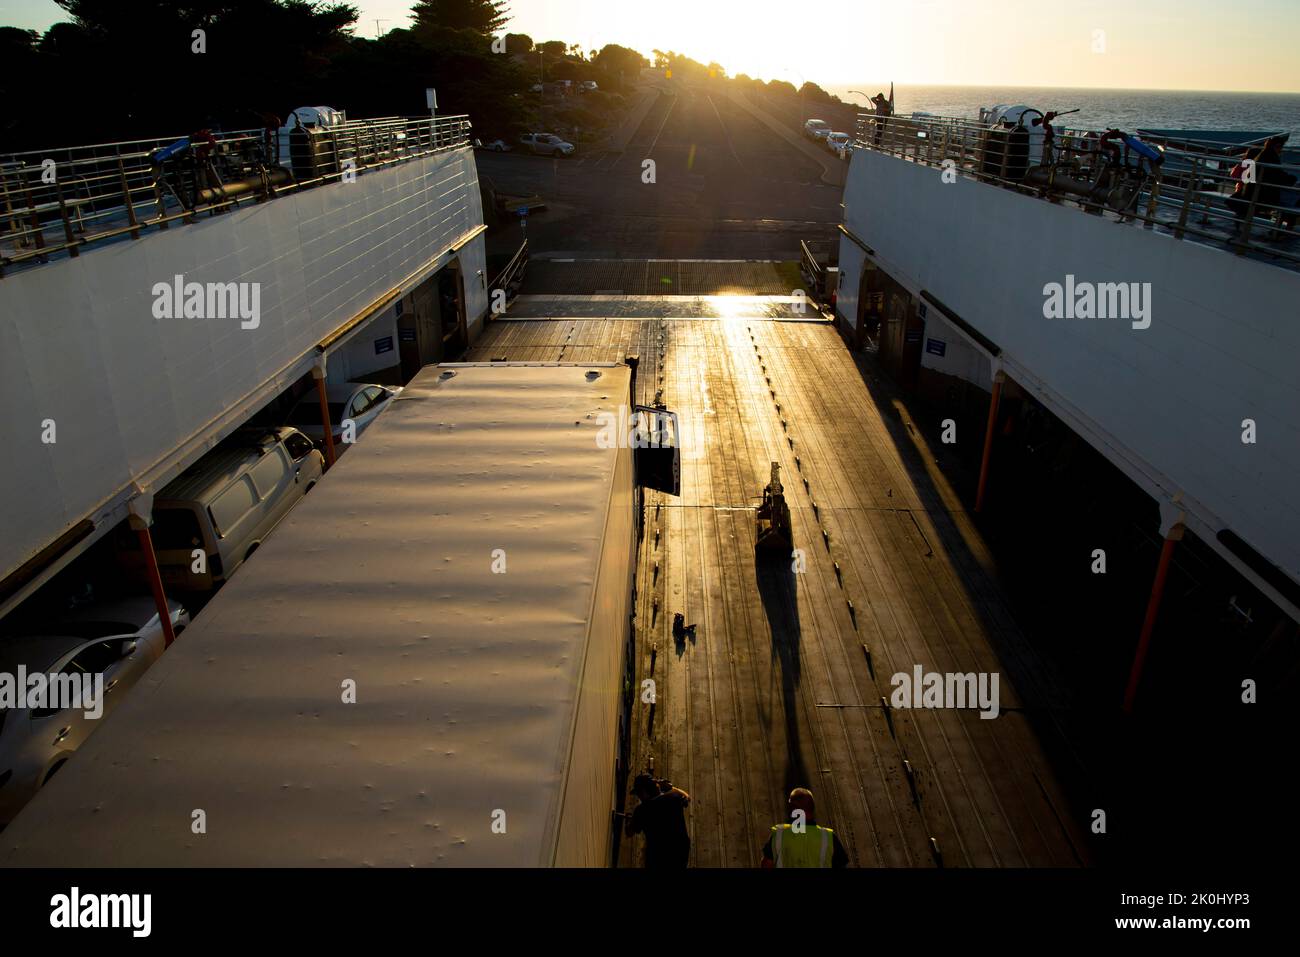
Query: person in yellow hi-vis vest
point(802, 842)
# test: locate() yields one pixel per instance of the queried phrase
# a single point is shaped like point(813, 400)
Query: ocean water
point(1102, 109)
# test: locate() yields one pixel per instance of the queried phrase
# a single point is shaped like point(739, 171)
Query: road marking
point(672, 104)
point(727, 136)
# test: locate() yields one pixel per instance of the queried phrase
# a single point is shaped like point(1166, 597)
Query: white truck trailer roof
point(478, 691)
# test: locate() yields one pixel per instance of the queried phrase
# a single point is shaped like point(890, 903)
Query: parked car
point(547, 144)
point(358, 401)
point(837, 141)
point(587, 86)
point(224, 505)
point(495, 146)
point(846, 150)
point(536, 88)
point(816, 129)
point(120, 639)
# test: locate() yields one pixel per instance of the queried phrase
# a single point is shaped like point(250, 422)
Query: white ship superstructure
point(156, 293)
point(1143, 290)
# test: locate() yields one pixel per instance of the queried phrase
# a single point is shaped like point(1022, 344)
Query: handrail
point(1191, 192)
point(809, 262)
point(67, 199)
point(511, 275)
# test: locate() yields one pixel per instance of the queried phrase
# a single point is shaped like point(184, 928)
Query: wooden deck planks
point(775, 690)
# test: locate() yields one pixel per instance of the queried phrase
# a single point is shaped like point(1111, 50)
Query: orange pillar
point(998, 378)
point(325, 419)
point(140, 522)
point(1153, 609)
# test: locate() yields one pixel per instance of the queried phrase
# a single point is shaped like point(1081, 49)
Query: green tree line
point(126, 69)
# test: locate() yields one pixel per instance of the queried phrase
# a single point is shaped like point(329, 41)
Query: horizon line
point(1121, 89)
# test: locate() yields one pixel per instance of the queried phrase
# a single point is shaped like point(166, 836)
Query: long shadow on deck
point(1020, 661)
point(776, 583)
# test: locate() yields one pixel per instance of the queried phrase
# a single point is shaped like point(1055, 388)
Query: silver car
point(119, 639)
point(547, 144)
point(358, 401)
point(835, 142)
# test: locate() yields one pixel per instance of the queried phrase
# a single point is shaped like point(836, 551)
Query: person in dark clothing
point(661, 817)
point(883, 111)
point(1269, 180)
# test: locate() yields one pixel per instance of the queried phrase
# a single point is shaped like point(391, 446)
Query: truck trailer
point(426, 664)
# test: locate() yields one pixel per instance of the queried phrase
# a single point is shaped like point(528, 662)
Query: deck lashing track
point(739, 715)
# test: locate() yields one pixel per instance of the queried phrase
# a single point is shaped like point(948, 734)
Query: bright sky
point(1134, 44)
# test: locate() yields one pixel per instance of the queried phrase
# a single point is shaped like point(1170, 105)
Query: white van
point(225, 505)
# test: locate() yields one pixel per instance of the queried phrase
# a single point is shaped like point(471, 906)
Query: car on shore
point(546, 144)
point(836, 142)
point(816, 130)
point(494, 146)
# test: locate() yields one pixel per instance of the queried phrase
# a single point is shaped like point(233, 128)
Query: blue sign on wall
point(936, 346)
point(383, 345)
point(406, 335)
point(913, 335)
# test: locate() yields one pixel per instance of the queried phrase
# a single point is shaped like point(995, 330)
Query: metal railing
point(511, 277)
point(1197, 188)
point(62, 201)
point(809, 266)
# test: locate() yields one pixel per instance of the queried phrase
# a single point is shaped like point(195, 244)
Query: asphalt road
point(725, 187)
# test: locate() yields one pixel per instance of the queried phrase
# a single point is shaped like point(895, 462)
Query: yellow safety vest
point(815, 847)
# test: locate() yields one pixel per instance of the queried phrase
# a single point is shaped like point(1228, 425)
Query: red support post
point(998, 378)
point(156, 586)
point(1149, 622)
point(325, 420)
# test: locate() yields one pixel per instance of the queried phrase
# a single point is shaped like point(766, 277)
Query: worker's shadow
point(776, 584)
point(682, 633)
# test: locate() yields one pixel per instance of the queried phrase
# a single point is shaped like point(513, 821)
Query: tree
point(258, 56)
point(554, 48)
point(616, 59)
point(518, 43)
point(16, 42)
point(682, 66)
point(485, 17)
point(815, 93)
